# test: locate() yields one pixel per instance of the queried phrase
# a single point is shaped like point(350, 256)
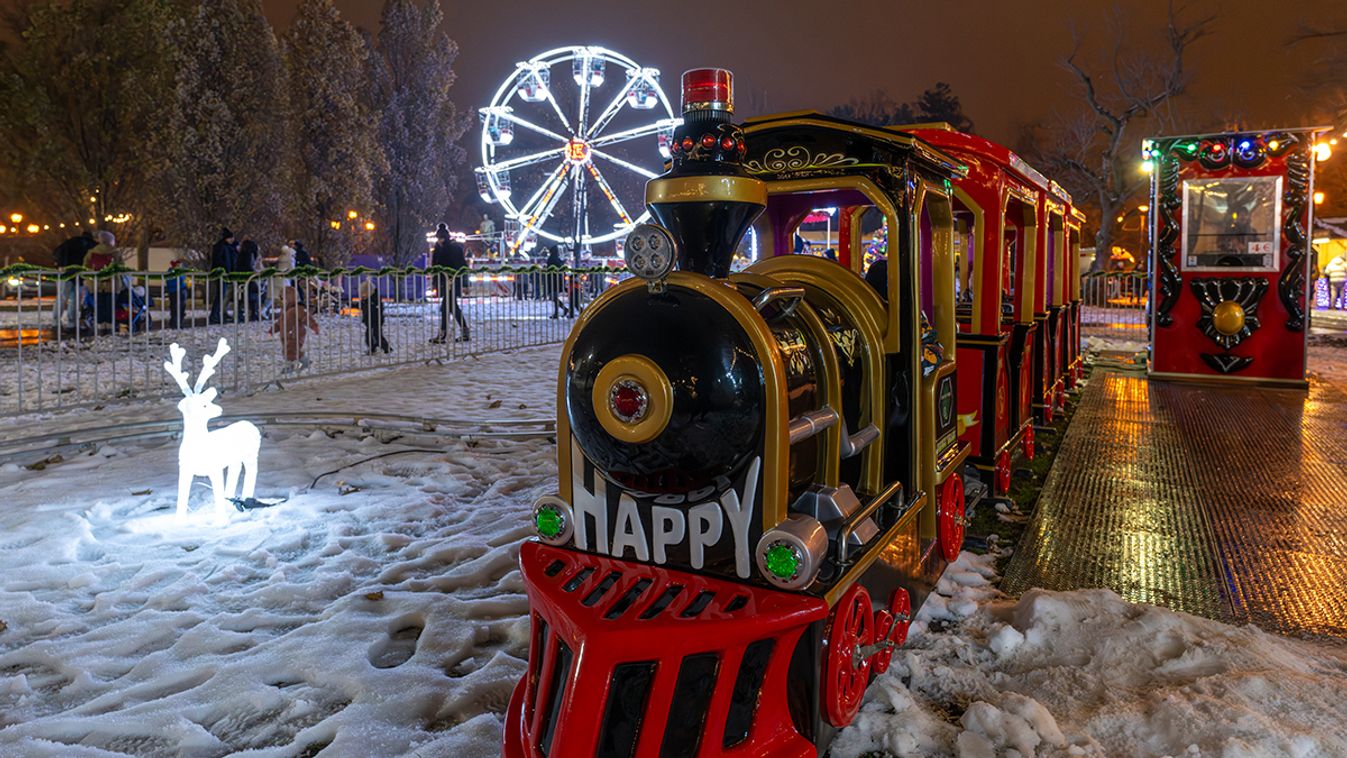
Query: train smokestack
point(707, 199)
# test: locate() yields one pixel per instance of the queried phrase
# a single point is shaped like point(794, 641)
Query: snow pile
point(384, 621)
point(1085, 673)
point(1095, 344)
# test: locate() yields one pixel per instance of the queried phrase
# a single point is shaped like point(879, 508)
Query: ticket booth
point(1230, 252)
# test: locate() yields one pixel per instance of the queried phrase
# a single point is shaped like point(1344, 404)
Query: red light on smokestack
point(708, 89)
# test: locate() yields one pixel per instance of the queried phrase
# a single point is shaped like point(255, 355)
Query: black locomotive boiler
point(747, 510)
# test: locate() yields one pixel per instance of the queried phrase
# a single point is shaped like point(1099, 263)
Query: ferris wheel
point(568, 142)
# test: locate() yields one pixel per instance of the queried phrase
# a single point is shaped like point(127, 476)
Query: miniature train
point(762, 474)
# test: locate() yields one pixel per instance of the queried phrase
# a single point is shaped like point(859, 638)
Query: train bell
point(707, 200)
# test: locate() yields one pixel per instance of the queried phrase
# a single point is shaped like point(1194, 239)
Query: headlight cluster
point(650, 252)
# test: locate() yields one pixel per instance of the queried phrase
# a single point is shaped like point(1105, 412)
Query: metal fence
point(1114, 305)
point(80, 339)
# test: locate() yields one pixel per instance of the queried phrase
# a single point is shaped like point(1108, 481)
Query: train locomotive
point(759, 472)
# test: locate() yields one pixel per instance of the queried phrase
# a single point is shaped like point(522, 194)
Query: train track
point(387, 427)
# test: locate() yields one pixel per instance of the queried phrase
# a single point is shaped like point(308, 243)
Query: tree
point(411, 75)
point(332, 132)
point(936, 103)
point(84, 120)
point(228, 126)
point(1091, 154)
point(939, 103)
point(877, 108)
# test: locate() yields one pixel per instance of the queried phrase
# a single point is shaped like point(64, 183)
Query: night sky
point(1002, 58)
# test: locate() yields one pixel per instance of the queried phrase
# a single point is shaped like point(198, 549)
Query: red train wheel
point(949, 519)
point(1002, 473)
point(845, 673)
point(1027, 442)
point(901, 606)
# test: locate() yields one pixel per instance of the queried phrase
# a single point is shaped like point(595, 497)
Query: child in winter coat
point(293, 324)
point(372, 316)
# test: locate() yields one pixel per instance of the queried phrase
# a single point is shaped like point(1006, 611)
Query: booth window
point(1232, 223)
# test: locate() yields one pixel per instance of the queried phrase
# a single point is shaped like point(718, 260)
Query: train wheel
point(950, 521)
point(1027, 443)
point(845, 671)
point(891, 629)
point(1002, 473)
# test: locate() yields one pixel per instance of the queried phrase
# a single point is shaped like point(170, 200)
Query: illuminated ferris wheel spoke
point(558, 174)
point(529, 160)
point(633, 133)
point(552, 100)
point(531, 126)
point(608, 193)
point(647, 173)
point(612, 108)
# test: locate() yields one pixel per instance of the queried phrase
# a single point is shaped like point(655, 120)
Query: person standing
point(293, 326)
point(556, 282)
point(71, 253)
point(302, 260)
point(246, 262)
point(449, 254)
point(175, 291)
point(222, 257)
point(372, 316)
point(1336, 273)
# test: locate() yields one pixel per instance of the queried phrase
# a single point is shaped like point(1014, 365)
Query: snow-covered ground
point(377, 622)
point(391, 620)
point(1084, 673)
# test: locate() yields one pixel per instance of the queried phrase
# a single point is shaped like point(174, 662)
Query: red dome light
point(708, 89)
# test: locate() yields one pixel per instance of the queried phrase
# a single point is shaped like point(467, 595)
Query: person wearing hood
point(222, 257)
point(285, 263)
point(293, 325)
point(450, 254)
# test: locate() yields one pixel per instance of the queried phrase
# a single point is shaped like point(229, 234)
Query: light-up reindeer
point(209, 453)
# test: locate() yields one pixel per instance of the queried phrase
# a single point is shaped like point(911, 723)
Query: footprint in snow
point(400, 644)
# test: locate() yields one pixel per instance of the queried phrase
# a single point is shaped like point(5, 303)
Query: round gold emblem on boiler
point(1228, 317)
point(632, 398)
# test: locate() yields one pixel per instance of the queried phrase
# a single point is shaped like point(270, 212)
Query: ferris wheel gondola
point(568, 142)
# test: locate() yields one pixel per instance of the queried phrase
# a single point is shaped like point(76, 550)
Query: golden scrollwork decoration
point(797, 158)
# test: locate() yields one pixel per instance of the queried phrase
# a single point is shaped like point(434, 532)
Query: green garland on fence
point(300, 272)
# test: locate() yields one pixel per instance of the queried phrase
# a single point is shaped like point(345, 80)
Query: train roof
point(910, 145)
point(944, 136)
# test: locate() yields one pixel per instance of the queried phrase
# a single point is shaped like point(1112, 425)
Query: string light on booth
point(16, 218)
point(352, 215)
point(1322, 151)
point(369, 226)
point(334, 224)
point(1318, 198)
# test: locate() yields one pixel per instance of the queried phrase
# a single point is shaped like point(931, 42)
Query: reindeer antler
point(209, 362)
point(174, 367)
